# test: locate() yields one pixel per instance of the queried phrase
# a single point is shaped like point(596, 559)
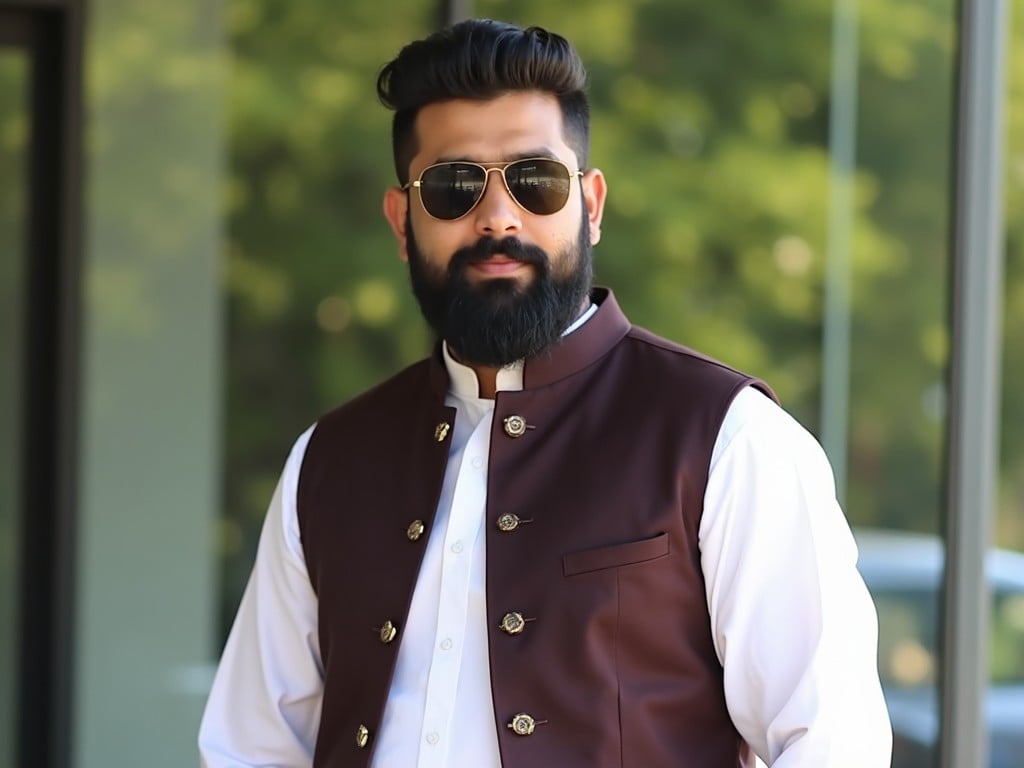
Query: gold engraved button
point(522, 724)
point(362, 736)
point(415, 530)
point(441, 431)
point(512, 623)
point(508, 522)
point(515, 426)
point(388, 632)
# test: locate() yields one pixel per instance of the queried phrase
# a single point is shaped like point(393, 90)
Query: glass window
point(1006, 697)
point(1009, 532)
point(150, 404)
point(780, 178)
point(318, 306)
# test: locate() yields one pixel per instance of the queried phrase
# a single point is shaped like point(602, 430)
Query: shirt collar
point(462, 379)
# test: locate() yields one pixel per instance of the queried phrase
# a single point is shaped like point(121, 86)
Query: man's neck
point(487, 380)
point(486, 376)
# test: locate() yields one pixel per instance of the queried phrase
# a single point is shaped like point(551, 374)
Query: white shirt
point(793, 624)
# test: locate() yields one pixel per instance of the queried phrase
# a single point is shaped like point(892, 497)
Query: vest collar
point(571, 354)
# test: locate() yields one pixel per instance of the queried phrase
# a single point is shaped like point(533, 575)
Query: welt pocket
point(615, 555)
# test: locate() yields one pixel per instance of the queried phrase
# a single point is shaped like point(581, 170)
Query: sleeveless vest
point(605, 452)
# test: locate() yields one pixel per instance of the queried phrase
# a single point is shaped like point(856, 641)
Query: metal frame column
point(52, 34)
point(974, 387)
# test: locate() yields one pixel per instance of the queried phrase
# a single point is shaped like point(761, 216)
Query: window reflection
point(905, 572)
point(906, 645)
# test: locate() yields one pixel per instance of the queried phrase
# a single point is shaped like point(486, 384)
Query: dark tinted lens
point(451, 189)
point(540, 186)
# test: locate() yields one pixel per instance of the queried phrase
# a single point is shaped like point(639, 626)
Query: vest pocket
point(616, 555)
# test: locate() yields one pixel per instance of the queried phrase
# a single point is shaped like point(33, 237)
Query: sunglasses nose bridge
point(500, 170)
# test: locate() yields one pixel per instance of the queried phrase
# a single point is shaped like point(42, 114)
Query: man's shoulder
point(647, 348)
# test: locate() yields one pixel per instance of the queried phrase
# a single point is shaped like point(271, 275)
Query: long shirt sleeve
point(264, 707)
point(794, 626)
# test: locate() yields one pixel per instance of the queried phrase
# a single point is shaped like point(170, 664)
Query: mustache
point(488, 247)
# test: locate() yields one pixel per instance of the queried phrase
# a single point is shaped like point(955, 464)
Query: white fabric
point(794, 626)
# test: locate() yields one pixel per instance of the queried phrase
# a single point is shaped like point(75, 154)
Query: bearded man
point(560, 540)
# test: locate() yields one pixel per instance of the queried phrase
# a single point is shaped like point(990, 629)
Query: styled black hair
point(483, 59)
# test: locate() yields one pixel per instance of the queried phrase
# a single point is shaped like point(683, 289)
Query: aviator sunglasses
point(449, 191)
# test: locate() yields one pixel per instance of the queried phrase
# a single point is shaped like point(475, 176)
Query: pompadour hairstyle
point(483, 59)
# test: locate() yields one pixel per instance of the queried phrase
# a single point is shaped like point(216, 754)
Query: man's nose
point(497, 214)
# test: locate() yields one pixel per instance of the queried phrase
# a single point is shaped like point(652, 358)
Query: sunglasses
point(449, 191)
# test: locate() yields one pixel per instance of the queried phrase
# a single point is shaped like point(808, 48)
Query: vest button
point(387, 632)
point(441, 431)
point(522, 724)
point(508, 522)
point(512, 623)
point(362, 736)
point(515, 426)
point(415, 530)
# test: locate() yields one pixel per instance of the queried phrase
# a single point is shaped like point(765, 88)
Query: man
point(560, 540)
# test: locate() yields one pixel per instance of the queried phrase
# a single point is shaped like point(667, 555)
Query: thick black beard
point(495, 322)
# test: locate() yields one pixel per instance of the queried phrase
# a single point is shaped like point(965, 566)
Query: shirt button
point(433, 738)
point(477, 462)
point(457, 547)
point(446, 644)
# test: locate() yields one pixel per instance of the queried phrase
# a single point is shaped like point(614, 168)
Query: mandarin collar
point(571, 354)
point(464, 383)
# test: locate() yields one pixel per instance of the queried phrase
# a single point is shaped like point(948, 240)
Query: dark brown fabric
point(618, 657)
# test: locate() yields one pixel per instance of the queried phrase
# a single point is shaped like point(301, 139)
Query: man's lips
point(498, 265)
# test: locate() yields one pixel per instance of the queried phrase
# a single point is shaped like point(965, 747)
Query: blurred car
point(904, 573)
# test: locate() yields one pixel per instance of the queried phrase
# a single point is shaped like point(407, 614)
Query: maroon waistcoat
point(616, 663)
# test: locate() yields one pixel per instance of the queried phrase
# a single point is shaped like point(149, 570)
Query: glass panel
point(319, 307)
point(780, 196)
point(898, 419)
point(1006, 697)
point(15, 76)
point(151, 396)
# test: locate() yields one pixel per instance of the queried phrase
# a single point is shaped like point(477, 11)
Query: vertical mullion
point(974, 390)
point(68, 34)
point(49, 417)
point(37, 583)
point(836, 323)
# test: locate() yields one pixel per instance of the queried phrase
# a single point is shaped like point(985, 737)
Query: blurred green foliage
point(710, 121)
point(1010, 523)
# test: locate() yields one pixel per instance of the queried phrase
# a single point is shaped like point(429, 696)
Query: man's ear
point(595, 190)
point(396, 204)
